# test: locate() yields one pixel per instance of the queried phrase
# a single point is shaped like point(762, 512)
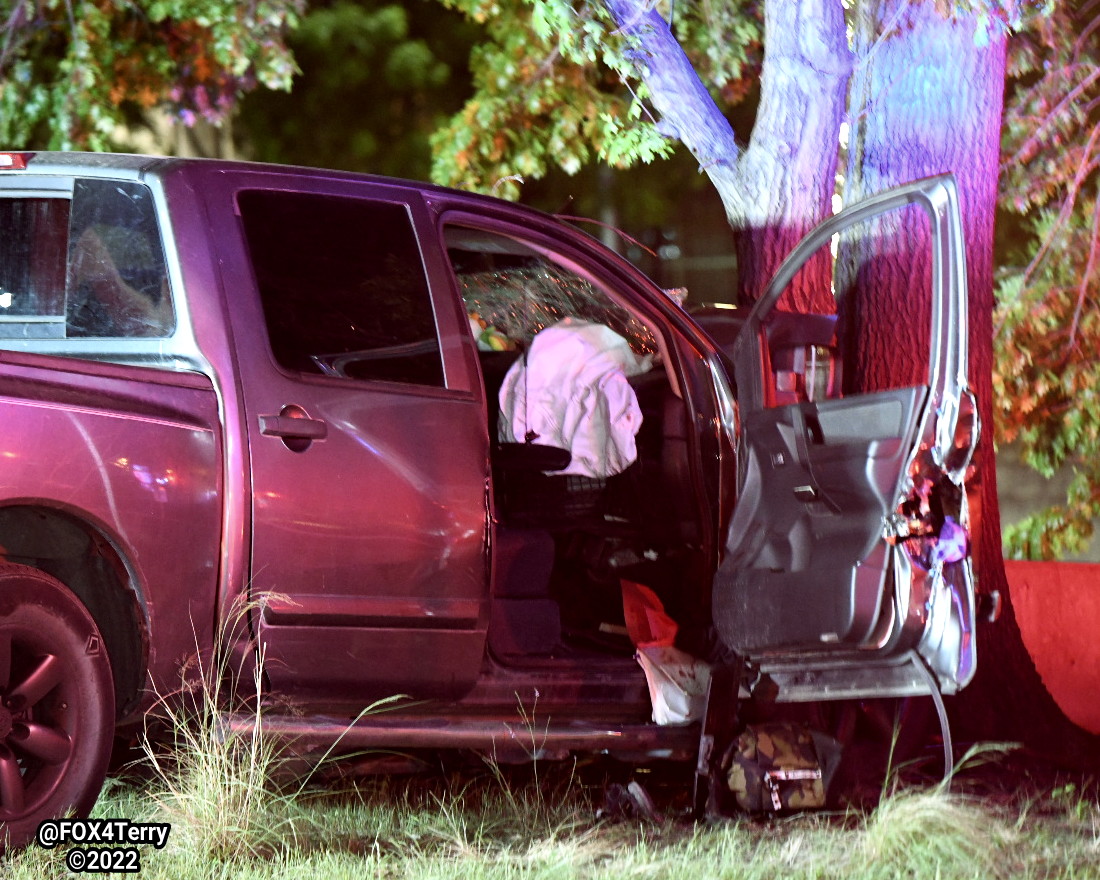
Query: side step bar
point(508, 739)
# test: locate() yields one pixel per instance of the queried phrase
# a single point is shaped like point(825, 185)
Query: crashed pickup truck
point(437, 445)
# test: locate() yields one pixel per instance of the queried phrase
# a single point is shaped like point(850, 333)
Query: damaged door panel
point(848, 549)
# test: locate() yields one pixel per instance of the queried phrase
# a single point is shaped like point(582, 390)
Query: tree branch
point(16, 21)
point(1033, 141)
point(1085, 34)
point(1086, 277)
point(687, 110)
point(1083, 171)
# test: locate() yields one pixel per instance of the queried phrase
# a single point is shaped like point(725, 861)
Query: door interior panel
point(805, 560)
point(843, 500)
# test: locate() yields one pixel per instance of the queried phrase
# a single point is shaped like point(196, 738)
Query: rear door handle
point(294, 427)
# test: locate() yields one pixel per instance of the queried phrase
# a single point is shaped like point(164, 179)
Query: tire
point(57, 704)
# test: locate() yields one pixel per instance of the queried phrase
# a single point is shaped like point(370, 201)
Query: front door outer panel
point(834, 576)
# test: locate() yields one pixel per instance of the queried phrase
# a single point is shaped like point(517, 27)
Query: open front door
point(847, 563)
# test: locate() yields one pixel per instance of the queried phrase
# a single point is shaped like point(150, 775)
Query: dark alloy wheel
point(57, 706)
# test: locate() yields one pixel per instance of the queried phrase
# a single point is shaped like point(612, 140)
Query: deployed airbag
point(570, 390)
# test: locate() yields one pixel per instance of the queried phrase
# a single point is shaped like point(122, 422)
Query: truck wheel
point(57, 704)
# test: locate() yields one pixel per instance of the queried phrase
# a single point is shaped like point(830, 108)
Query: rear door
point(847, 570)
point(368, 446)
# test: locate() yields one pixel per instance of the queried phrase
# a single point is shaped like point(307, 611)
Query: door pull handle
point(294, 427)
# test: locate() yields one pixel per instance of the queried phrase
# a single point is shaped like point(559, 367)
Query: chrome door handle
point(293, 427)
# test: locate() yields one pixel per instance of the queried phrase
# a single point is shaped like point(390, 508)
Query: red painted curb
point(1058, 609)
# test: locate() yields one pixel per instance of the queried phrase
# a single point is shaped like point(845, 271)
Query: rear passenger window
point(92, 266)
point(343, 286)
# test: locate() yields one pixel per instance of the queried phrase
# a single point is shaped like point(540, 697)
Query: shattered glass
point(520, 302)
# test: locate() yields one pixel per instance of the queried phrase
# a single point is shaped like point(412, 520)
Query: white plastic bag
point(677, 683)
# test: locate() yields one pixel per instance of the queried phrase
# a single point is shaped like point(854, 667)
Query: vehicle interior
point(566, 542)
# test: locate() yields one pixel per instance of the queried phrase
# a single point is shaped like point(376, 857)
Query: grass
point(230, 819)
point(500, 824)
point(215, 786)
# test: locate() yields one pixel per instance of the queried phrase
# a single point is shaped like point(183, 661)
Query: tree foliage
point(70, 72)
point(555, 87)
point(1048, 322)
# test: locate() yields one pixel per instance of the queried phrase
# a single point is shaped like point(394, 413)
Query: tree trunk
point(927, 99)
point(787, 176)
point(782, 184)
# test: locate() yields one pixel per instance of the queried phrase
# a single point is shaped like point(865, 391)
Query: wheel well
point(81, 558)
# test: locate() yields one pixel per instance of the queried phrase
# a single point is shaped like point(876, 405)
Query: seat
point(523, 618)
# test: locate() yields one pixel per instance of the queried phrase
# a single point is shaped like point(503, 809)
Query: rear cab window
point(82, 263)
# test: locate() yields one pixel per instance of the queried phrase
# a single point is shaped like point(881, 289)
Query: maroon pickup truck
point(431, 441)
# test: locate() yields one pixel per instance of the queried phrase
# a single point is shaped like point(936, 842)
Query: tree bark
point(926, 99)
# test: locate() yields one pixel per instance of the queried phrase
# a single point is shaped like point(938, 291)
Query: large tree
point(557, 88)
point(920, 86)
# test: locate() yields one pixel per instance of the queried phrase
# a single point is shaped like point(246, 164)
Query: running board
point(798, 681)
point(508, 740)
